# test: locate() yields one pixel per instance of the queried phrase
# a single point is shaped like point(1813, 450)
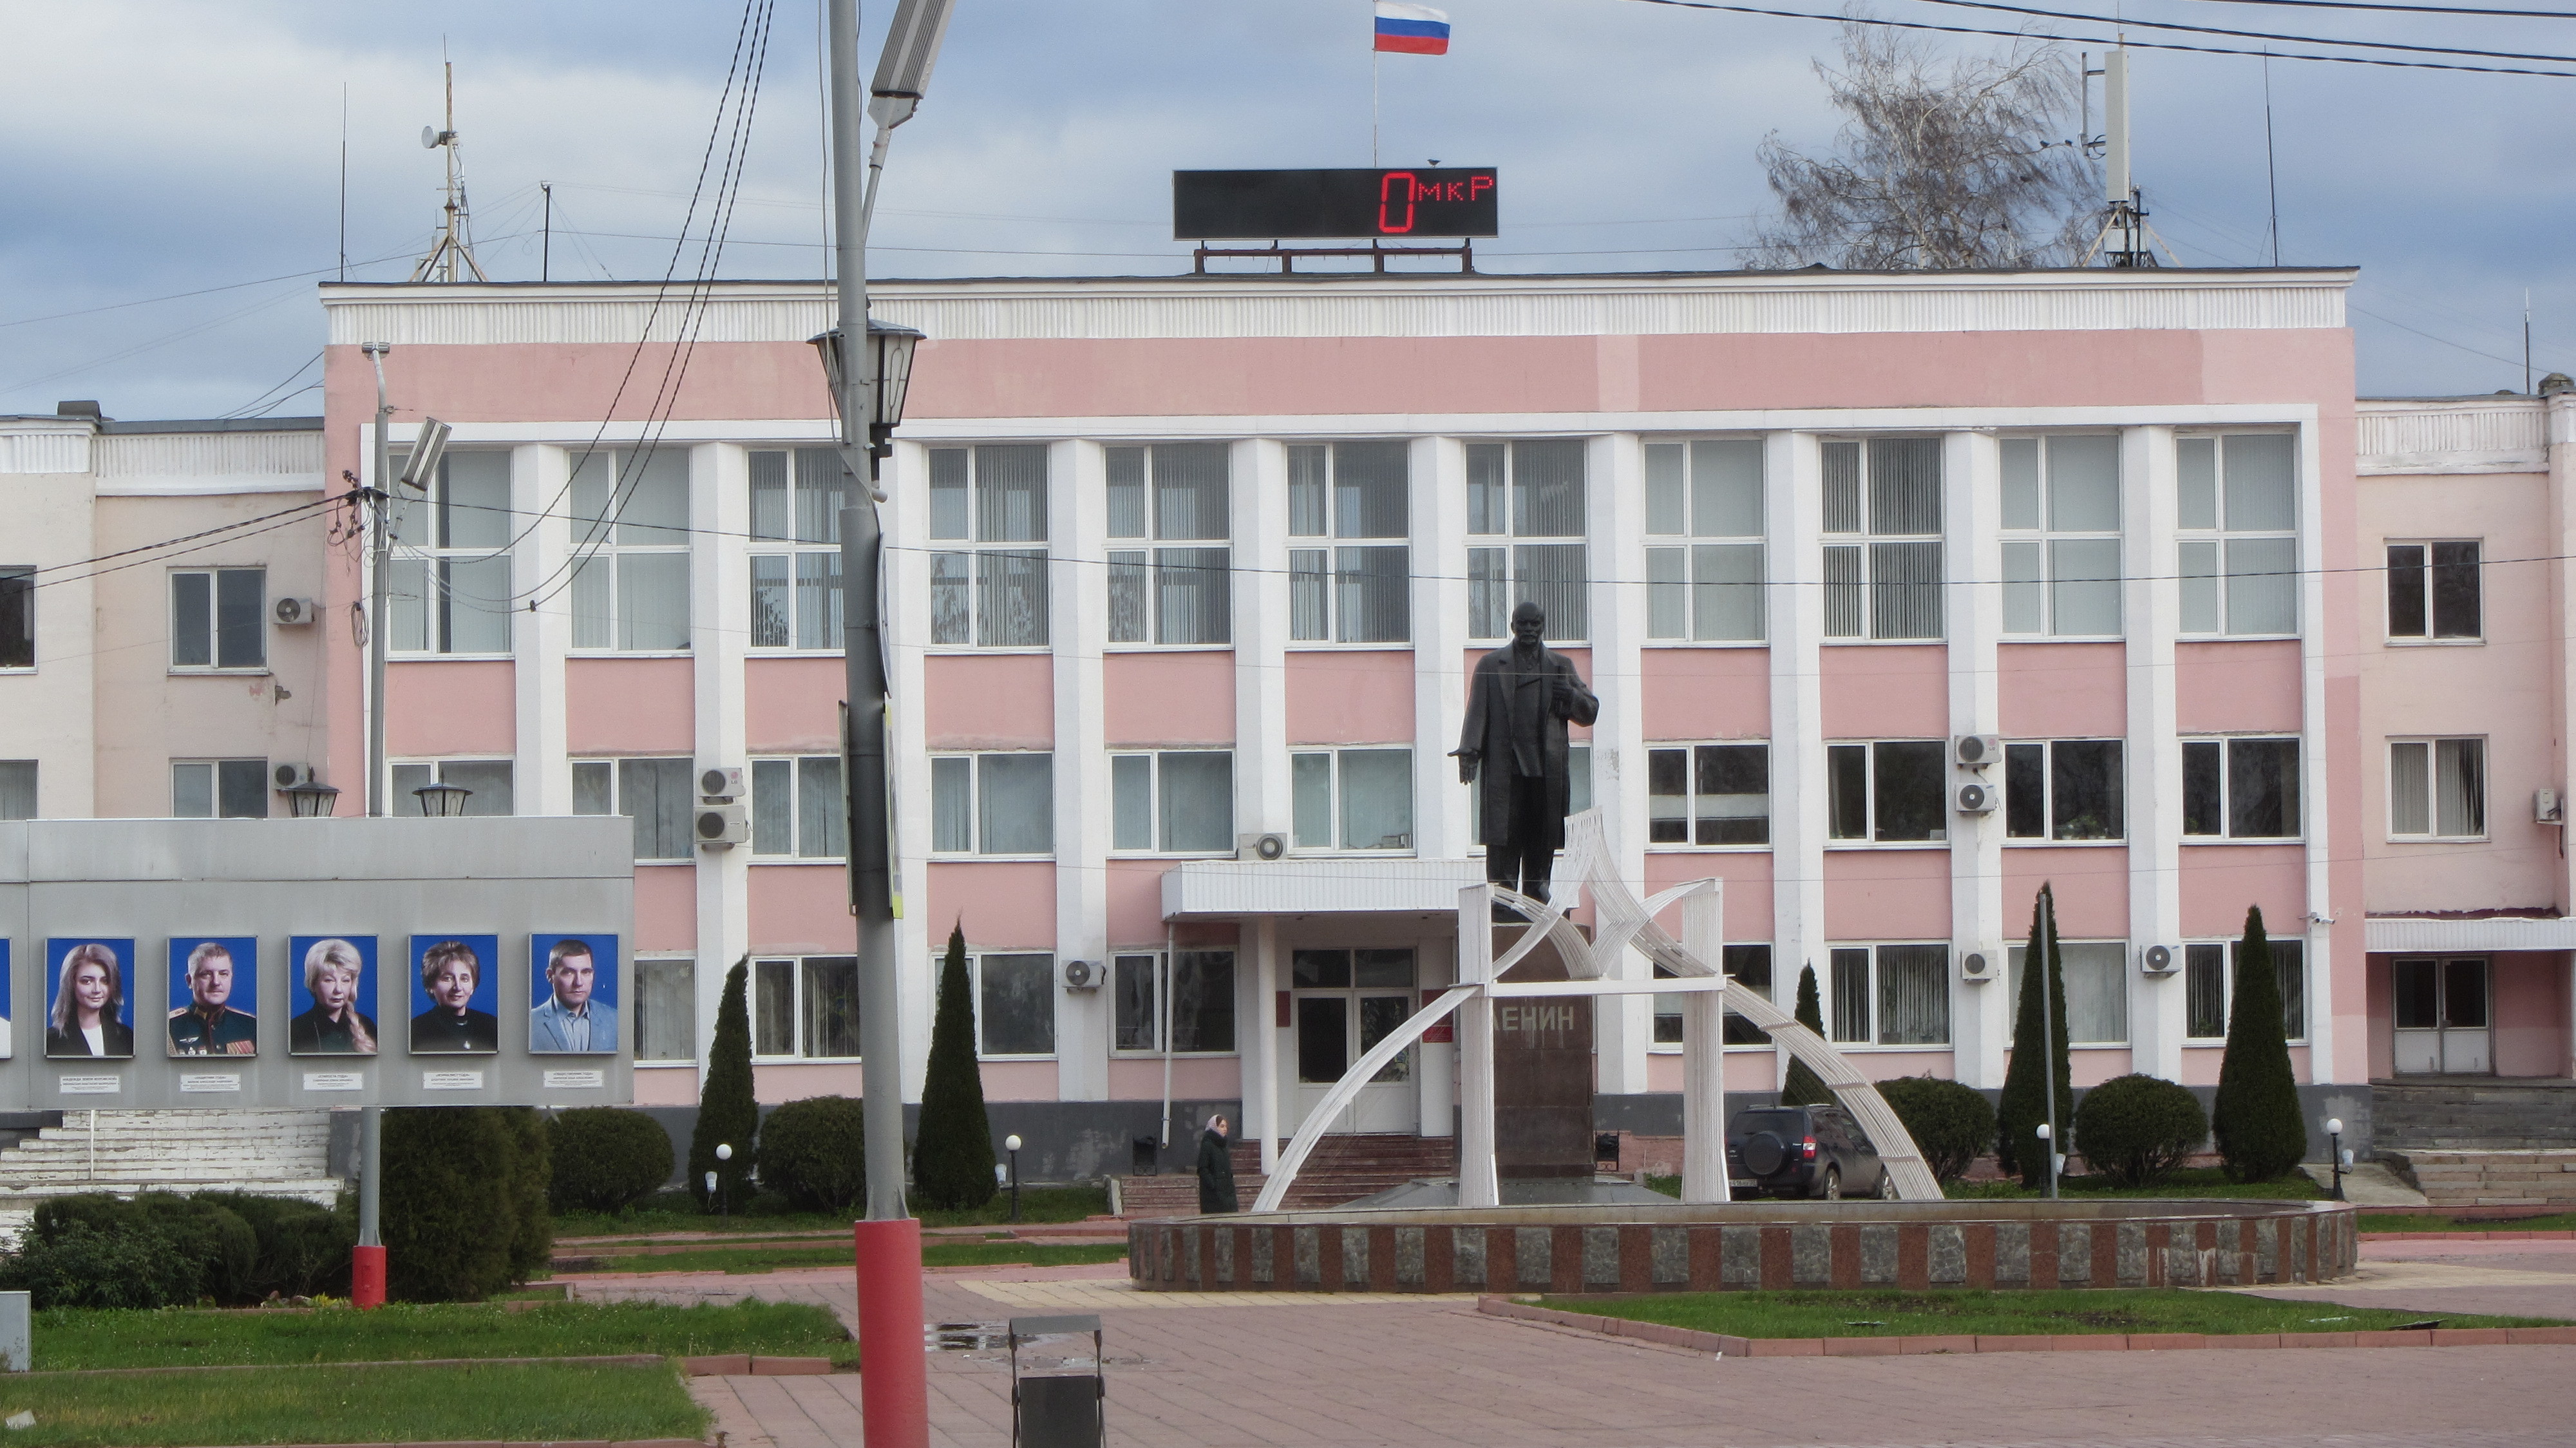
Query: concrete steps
point(2473, 1113)
point(1344, 1168)
point(2488, 1178)
point(269, 1153)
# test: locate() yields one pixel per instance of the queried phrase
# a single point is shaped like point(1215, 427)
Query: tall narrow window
point(1709, 794)
point(18, 617)
point(658, 794)
point(1704, 526)
point(450, 585)
point(219, 618)
point(1532, 493)
point(17, 789)
point(1349, 566)
point(1882, 521)
point(1174, 496)
point(992, 804)
point(2437, 789)
point(1015, 1004)
point(2061, 518)
point(2434, 591)
point(988, 523)
point(796, 501)
point(630, 540)
point(2065, 789)
point(1352, 799)
point(2237, 521)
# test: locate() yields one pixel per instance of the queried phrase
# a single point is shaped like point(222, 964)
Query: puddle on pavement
point(968, 1337)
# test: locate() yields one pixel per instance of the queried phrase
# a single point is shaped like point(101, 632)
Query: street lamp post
point(715, 1184)
point(442, 801)
point(2334, 1137)
point(1011, 1144)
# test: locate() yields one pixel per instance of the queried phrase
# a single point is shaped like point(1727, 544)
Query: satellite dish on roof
point(429, 138)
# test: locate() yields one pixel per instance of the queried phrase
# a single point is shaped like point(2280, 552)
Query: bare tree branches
point(1942, 163)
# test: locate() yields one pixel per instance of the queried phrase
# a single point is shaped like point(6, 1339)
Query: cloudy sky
point(170, 184)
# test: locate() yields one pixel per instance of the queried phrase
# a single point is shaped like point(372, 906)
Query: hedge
point(2137, 1129)
point(464, 1204)
point(815, 1152)
point(606, 1158)
point(1952, 1125)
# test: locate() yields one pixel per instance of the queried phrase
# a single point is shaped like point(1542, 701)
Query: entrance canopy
point(1338, 884)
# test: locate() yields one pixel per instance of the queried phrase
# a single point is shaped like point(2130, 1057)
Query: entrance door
point(2442, 1024)
point(1346, 1002)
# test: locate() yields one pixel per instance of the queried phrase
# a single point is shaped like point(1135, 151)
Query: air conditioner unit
point(722, 826)
point(288, 776)
point(294, 612)
point(1081, 975)
point(1976, 751)
point(720, 784)
point(1975, 799)
point(1979, 964)
point(1265, 847)
point(2547, 808)
point(2158, 959)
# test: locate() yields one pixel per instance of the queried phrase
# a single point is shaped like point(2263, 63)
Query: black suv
point(1802, 1151)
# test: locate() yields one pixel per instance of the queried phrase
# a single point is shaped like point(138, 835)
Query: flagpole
point(1373, 74)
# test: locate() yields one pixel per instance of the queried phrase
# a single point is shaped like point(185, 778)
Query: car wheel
point(1886, 1185)
point(1832, 1190)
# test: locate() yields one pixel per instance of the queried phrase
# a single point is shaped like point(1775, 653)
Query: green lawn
point(177, 1337)
point(2407, 1222)
point(2208, 1183)
point(515, 1402)
point(1935, 1314)
point(677, 1212)
point(750, 1259)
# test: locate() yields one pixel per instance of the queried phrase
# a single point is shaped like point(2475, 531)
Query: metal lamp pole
point(367, 1264)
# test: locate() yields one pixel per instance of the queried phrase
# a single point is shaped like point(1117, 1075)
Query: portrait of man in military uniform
point(214, 973)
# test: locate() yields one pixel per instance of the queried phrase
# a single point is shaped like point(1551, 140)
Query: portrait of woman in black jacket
point(88, 998)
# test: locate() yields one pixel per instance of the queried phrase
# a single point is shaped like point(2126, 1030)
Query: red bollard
point(367, 1276)
point(894, 1376)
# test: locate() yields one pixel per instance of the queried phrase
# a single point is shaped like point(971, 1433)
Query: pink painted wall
point(774, 1082)
point(2530, 1013)
point(2200, 1064)
point(548, 382)
point(630, 706)
point(1136, 902)
point(801, 910)
point(1019, 1081)
point(2383, 1018)
point(666, 907)
point(1349, 696)
point(2092, 889)
point(989, 701)
point(1170, 698)
point(2063, 691)
point(792, 706)
point(2224, 686)
point(673, 1085)
point(1005, 904)
point(469, 706)
point(1888, 1065)
point(1707, 694)
point(1885, 895)
point(1748, 887)
point(2220, 881)
point(1198, 1078)
point(1886, 691)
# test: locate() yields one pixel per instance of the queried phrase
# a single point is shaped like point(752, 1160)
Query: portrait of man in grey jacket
point(573, 1019)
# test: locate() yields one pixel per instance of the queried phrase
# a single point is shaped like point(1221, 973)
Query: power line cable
point(2126, 21)
point(2410, 9)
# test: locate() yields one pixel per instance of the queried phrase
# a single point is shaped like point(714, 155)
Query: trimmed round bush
point(461, 1186)
point(98, 1211)
point(2137, 1129)
point(814, 1152)
point(1952, 1125)
point(607, 1158)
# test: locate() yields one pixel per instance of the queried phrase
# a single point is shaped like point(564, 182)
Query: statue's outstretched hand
point(1467, 762)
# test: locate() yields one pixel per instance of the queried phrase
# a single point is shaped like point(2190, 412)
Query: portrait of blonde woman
point(89, 1017)
point(339, 975)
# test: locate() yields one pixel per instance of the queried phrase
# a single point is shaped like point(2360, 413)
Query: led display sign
point(1422, 201)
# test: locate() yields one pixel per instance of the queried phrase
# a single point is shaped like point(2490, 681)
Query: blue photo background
point(244, 950)
point(60, 947)
point(603, 990)
point(299, 995)
point(8, 977)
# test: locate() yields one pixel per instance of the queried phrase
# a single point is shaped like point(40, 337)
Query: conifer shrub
point(1952, 1125)
point(2137, 1129)
point(814, 1152)
point(303, 1248)
point(727, 1113)
point(952, 1150)
point(1802, 1087)
point(2256, 1121)
point(2038, 1054)
point(606, 1158)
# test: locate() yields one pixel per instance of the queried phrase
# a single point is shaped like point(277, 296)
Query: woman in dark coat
point(1216, 1170)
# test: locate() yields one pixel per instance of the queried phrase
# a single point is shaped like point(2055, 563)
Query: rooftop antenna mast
point(2125, 239)
point(453, 252)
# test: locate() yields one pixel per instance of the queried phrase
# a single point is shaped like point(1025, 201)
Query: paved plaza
point(1285, 1371)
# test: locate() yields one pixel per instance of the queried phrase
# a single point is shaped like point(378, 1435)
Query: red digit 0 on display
point(1386, 199)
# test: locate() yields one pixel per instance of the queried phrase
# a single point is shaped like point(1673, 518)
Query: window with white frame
point(796, 501)
point(1350, 510)
point(806, 1008)
point(17, 789)
point(1750, 965)
point(660, 795)
point(2209, 986)
point(2242, 789)
point(992, 804)
point(1014, 1003)
point(219, 618)
point(1704, 526)
point(1578, 794)
point(988, 523)
point(2065, 789)
point(18, 616)
point(2095, 974)
point(2237, 533)
point(205, 789)
point(630, 543)
point(1202, 1003)
point(1883, 549)
point(1893, 791)
point(2434, 591)
point(1352, 799)
point(1531, 492)
point(2061, 527)
point(490, 781)
point(2437, 789)
point(666, 1009)
point(1177, 497)
point(1180, 801)
point(799, 809)
point(450, 580)
point(1891, 995)
point(1708, 794)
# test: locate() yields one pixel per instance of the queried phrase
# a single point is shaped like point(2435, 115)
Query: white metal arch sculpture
point(1621, 921)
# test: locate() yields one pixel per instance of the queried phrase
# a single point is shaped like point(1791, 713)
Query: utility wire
point(2128, 21)
point(2409, 9)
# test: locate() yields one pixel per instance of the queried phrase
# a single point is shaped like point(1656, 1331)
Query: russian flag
point(1412, 29)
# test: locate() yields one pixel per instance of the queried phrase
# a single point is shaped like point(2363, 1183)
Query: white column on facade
point(2150, 617)
point(1623, 1025)
point(2325, 1004)
point(906, 621)
point(1793, 471)
point(1704, 1056)
point(541, 772)
point(1078, 627)
point(719, 633)
point(1260, 507)
point(1980, 1016)
point(1438, 508)
point(1261, 1044)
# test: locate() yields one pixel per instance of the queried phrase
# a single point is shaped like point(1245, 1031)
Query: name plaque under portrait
point(451, 1080)
point(197, 1081)
point(92, 1085)
point(334, 1081)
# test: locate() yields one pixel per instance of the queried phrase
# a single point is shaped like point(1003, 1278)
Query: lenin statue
point(1518, 704)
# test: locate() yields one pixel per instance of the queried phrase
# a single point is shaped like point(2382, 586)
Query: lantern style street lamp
point(442, 801)
point(311, 800)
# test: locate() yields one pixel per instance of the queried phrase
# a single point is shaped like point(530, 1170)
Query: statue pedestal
point(1543, 1072)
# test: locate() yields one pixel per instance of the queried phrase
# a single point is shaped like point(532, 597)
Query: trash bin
point(1145, 1156)
point(1055, 1403)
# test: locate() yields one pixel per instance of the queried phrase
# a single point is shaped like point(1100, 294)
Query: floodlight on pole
point(426, 450)
point(903, 74)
